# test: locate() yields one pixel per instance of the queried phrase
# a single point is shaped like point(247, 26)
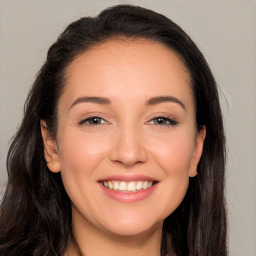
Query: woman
point(121, 150)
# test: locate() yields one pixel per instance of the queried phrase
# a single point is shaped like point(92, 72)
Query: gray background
point(225, 31)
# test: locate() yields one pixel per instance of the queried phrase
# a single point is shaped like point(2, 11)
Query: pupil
point(95, 120)
point(160, 120)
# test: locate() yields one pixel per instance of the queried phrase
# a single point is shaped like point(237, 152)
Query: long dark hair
point(35, 213)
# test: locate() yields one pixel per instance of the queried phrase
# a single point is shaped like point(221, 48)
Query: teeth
point(122, 186)
point(139, 185)
point(116, 186)
point(110, 185)
point(145, 185)
point(131, 186)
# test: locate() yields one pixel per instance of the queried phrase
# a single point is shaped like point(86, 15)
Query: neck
point(88, 240)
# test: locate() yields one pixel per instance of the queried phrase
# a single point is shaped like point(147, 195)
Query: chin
point(131, 224)
point(134, 229)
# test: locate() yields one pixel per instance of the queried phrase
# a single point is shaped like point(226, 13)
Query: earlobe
point(198, 150)
point(50, 149)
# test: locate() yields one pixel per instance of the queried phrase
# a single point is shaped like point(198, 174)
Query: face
point(126, 141)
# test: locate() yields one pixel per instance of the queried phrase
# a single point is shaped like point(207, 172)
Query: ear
point(198, 150)
point(50, 149)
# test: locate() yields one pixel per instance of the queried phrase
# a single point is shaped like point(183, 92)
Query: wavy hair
point(35, 213)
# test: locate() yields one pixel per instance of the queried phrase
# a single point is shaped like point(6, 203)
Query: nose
point(128, 148)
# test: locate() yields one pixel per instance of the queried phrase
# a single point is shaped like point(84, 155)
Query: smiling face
point(126, 139)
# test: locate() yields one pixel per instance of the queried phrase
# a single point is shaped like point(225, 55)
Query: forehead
point(123, 65)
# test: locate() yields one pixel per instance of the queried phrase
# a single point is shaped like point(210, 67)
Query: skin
point(128, 139)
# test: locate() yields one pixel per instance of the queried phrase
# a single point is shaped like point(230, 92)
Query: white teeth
point(116, 186)
point(122, 186)
point(131, 186)
point(150, 184)
point(139, 185)
point(110, 185)
point(145, 185)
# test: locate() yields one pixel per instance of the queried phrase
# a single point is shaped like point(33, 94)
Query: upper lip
point(128, 177)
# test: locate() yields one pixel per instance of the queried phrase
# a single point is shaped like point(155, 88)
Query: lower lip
point(128, 197)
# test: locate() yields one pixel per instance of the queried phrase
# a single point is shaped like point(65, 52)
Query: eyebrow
point(106, 101)
point(162, 99)
point(97, 100)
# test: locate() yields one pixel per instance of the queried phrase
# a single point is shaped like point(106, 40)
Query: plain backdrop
point(225, 31)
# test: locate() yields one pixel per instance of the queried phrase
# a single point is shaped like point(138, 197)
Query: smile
point(131, 186)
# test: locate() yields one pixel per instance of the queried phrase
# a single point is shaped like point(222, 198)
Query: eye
point(163, 121)
point(93, 121)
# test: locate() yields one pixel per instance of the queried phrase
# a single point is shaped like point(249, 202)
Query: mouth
point(128, 187)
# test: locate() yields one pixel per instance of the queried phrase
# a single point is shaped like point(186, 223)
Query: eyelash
point(92, 119)
point(167, 121)
point(162, 121)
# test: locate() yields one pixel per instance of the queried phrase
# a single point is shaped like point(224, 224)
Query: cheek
point(80, 155)
point(78, 150)
point(174, 154)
